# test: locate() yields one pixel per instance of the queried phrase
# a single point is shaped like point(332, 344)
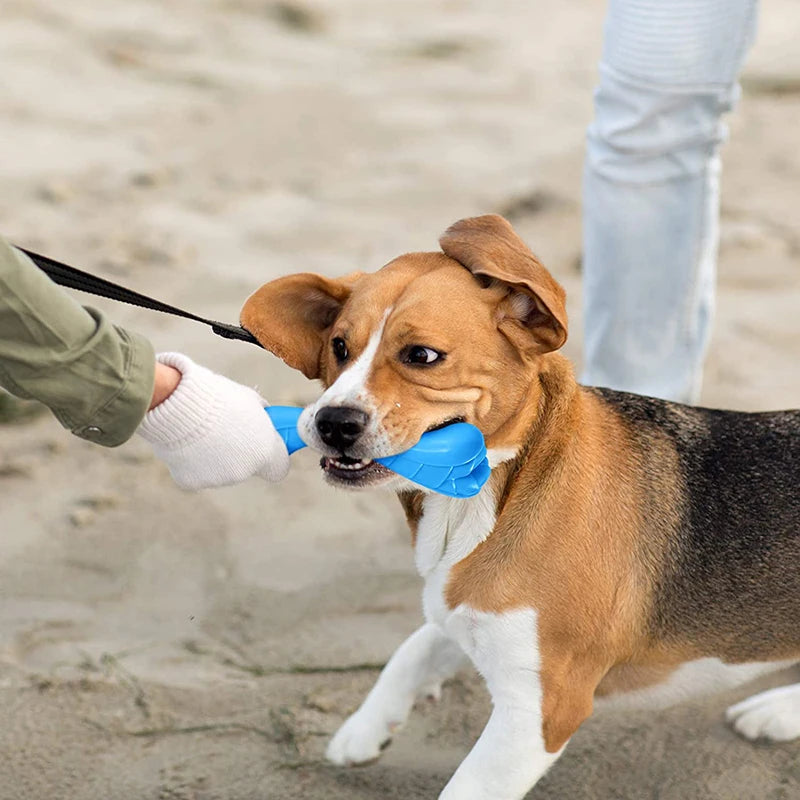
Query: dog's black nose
point(340, 426)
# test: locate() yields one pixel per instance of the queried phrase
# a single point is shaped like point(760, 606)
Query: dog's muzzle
point(340, 427)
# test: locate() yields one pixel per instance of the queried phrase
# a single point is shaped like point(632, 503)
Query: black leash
point(72, 278)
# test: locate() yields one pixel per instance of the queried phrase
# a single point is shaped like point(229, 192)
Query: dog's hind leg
point(773, 715)
point(418, 666)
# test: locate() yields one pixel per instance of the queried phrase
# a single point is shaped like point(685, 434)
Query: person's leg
point(651, 190)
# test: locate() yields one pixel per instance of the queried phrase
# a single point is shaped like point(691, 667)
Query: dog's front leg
point(508, 758)
point(418, 666)
point(514, 750)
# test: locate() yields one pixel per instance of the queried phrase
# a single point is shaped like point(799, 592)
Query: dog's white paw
point(772, 715)
point(361, 739)
point(464, 787)
point(432, 692)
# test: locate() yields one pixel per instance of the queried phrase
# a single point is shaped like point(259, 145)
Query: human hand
point(166, 382)
point(212, 431)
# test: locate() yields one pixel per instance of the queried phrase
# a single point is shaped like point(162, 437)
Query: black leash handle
point(73, 278)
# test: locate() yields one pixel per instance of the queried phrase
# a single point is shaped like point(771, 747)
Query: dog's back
point(731, 584)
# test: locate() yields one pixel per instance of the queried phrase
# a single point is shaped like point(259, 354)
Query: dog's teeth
point(350, 467)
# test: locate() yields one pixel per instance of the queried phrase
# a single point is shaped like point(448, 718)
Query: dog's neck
point(447, 530)
point(550, 388)
point(450, 529)
point(541, 425)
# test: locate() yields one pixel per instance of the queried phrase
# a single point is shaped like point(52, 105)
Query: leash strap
point(73, 278)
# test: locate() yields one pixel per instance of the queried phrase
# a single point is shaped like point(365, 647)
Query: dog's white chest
point(448, 532)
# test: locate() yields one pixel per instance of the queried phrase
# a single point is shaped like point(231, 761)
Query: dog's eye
point(422, 355)
point(339, 349)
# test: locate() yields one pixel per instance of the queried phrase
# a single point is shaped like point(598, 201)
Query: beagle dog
point(625, 549)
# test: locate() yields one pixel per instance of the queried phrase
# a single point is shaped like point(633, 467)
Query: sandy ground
point(155, 644)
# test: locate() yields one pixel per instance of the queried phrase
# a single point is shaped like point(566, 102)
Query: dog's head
point(428, 339)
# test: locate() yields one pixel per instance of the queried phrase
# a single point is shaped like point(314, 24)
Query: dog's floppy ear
point(290, 316)
point(487, 246)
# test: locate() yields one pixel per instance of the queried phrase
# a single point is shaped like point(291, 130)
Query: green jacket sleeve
point(96, 378)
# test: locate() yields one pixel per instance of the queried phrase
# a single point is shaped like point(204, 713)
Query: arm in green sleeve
point(96, 378)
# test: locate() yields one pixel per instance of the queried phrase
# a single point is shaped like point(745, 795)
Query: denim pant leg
point(651, 190)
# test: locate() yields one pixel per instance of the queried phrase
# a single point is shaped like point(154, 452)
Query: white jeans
point(651, 190)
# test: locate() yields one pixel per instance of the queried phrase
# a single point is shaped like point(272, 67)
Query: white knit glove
point(212, 431)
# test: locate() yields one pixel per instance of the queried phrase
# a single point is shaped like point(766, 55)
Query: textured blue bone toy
point(451, 460)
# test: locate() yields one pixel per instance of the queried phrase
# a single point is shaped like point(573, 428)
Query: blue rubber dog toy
point(451, 460)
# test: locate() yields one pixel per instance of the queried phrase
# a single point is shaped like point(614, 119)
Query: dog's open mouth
point(353, 472)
